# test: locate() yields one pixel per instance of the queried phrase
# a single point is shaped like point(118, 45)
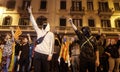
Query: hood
point(86, 31)
point(47, 27)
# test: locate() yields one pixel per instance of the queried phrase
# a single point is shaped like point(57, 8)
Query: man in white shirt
point(44, 50)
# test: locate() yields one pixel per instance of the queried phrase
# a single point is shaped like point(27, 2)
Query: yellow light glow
point(1, 10)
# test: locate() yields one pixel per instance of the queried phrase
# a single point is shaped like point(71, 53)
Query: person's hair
point(8, 34)
point(24, 37)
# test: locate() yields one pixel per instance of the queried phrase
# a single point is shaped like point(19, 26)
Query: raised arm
point(12, 32)
point(32, 19)
point(29, 38)
point(79, 34)
point(71, 22)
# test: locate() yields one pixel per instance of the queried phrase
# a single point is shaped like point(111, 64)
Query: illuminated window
point(63, 4)
point(7, 20)
point(40, 20)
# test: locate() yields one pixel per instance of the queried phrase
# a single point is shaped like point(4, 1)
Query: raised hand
point(28, 34)
point(30, 9)
point(70, 20)
point(11, 28)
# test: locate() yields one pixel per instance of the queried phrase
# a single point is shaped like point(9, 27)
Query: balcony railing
point(63, 29)
point(107, 12)
point(77, 11)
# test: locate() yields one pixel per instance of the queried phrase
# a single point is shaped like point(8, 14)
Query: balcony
point(105, 12)
point(77, 11)
point(62, 30)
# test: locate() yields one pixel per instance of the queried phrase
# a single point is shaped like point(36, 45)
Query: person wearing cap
point(44, 50)
point(89, 54)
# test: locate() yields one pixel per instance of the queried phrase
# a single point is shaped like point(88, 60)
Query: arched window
point(7, 20)
point(40, 20)
point(24, 21)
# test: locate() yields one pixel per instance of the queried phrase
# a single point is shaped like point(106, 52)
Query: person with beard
point(43, 50)
point(89, 54)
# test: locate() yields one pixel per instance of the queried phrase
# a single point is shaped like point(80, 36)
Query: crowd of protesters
point(109, 54)
point(56, 52)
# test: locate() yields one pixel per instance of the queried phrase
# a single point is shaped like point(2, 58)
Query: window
point(62, 4)
point(106, 25)
point(117, 6)
point(62, 22)
point(43, 4)
point(117, 23)
point(7, 20)
point(26, 4)
point(40, 20)
point(76, 6)
point(91, 22)
point(77, 22)
point(90, 6)
point(11, 4)
point(24, 21)
point(103, 6)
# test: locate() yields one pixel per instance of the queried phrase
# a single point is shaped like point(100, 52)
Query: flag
point(16, 36)
point(17, 33)
point(64, 52)
point(11, 67)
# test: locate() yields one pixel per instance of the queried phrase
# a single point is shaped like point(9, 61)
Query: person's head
point(86, 31)
point(46, 26)
point(8, 36)
point(64, 38)
point(24, 40)
point(112, 42)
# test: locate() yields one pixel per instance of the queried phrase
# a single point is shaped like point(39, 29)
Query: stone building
point(97, 14)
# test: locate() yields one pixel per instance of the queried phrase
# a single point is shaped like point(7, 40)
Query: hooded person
point(43, 51)
point(89, 54)
point(86, 31)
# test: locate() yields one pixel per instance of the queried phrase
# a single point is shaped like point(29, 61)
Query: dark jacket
point(88, 48)
point(113, 50)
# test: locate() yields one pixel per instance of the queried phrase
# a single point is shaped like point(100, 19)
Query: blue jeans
point(6, 66)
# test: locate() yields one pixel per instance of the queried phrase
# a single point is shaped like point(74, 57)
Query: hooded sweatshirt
point(46, 47)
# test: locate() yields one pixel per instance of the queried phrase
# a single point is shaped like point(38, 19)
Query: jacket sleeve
point(34, 24)
point(51, 45)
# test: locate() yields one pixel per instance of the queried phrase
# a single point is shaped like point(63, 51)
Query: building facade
point(97, 14)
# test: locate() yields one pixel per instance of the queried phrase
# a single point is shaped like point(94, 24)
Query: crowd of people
point(55, 52)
